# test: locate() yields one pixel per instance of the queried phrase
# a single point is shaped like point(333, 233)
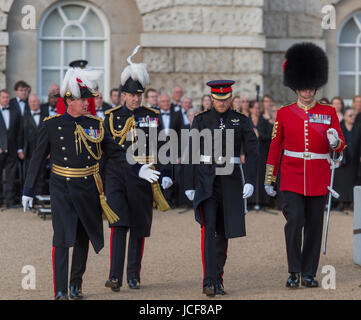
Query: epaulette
point(151, 109)
point(93, 117)
point(325, 104)
point(286, 105)
point(51, 117)
point(201, 112)
point(113, 109)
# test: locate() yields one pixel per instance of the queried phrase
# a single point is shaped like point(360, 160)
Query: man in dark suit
point(177, 95)
point(11, 145)
point(20, 102)
point(32, 123)
point(101, 106)
point(170, 120)
point(50, 106)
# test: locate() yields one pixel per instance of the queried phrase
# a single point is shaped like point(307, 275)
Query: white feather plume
point(88, 77)
point(136, 71)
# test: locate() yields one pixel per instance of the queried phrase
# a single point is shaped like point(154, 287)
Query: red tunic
point(60, 106)
point(300, 130)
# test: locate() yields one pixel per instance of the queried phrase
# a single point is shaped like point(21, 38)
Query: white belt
point(219, 160)
point(307, 155)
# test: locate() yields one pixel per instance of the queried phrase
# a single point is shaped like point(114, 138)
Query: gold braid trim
point(274, 131)
point(51, 117)
point(129, 125)
point(81, 136)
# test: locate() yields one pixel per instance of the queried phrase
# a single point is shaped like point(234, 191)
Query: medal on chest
point(222, 126)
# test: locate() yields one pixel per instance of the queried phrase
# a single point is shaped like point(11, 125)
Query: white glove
point(148, 174)
point(190, 194)
point(332, 137)
point(247, 190)
point(270, 191)
point(27, 202)
point(166, 182)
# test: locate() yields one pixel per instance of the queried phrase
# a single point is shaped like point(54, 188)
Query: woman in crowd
point(245, 106)
point(346, 174)
point(338, 104)
point(206, 103)
point(236, 104)
point(263, 131)
point(267, 102)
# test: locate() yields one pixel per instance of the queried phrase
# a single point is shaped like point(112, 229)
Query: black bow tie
point(165, 114)
point(23, 101)
point(7, 108)
point(36, 114)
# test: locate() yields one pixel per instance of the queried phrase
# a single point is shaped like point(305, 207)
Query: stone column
point(189, 42)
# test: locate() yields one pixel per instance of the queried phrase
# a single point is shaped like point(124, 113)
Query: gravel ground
point(172, 269)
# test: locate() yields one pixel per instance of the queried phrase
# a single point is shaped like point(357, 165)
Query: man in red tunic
point(60, 106)
point(304, 130)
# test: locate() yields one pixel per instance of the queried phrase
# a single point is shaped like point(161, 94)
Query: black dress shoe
point(220, 288)
point(309, 282)
point(293, 281)
point(75, 293)
point(114, 284)
point(61, 295)
point(209, 290)
point(133, 284)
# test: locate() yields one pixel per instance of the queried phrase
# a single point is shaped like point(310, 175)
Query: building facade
point(184, 42)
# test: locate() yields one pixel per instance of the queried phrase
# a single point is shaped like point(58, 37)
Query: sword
point(244, 182)
point(332, 193)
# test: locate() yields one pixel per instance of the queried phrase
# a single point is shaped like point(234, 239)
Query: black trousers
point(78, 266)
point(10, 164)
point(303, 214)
point(214, 243)
point(118, 241)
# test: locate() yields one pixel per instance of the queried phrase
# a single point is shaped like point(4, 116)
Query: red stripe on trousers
point(202, 243)
point(53, 259)
point(111, 248)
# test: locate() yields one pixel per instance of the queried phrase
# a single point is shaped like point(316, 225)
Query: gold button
point(85, 178)
point(63, 148)
point(122, 145)
point(61, 138)
point(118, 118)
point(67, 179)
point(65, 158)
point(90, 147)
point(59, 128)
point(88, 157)
point(119, 126)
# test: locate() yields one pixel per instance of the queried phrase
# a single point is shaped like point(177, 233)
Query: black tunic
point(75, 198)
point(200, 177)
point(129, 196)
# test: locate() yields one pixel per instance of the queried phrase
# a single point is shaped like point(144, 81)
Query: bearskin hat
point(306, 67)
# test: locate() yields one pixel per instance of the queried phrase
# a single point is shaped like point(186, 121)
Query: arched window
point(349, 58)
point(68, 31)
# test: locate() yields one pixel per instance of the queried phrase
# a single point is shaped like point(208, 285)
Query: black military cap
point(221, 89)
point(132, 86)
point(78, 64)
point(305, 67)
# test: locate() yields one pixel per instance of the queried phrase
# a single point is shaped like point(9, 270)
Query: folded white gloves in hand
point(166, 182)
point(270, 190)
point(190, 194)
point(332, 137)
point(27, 202)
point(247, 190)
point(148, 174)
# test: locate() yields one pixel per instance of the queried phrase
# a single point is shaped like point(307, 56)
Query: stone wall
point(5, 6)
point(189, 42)
point(285, 23)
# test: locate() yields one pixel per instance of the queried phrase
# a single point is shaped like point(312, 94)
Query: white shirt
point(52, 112)
point(100, 113)
point(185, 118)
point(6, 116)
point(36, 116)
point(166, 120)
point(22, 105)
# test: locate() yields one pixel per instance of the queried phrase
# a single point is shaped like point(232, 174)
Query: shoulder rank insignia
point(151, 109)
point(113, 109)
point(52, 117)
point(235, 122)
point(201, 112)
point(93, 117)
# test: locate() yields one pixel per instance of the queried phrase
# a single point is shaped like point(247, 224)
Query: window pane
point(93, 25)
point(347, 87)
point(101, 84)
point(53, 25)
point(73, 12)
point(72, 51)
point(51, 53)
point(49, 77)
point(347, 59)
point(95, 53)
point(73, 31)
point(349, 32)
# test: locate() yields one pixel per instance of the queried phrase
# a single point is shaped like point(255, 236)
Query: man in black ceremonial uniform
point(216, 195)
point(75, 143)
point(130, 197)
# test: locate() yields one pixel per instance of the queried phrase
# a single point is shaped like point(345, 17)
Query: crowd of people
point(23, 114)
